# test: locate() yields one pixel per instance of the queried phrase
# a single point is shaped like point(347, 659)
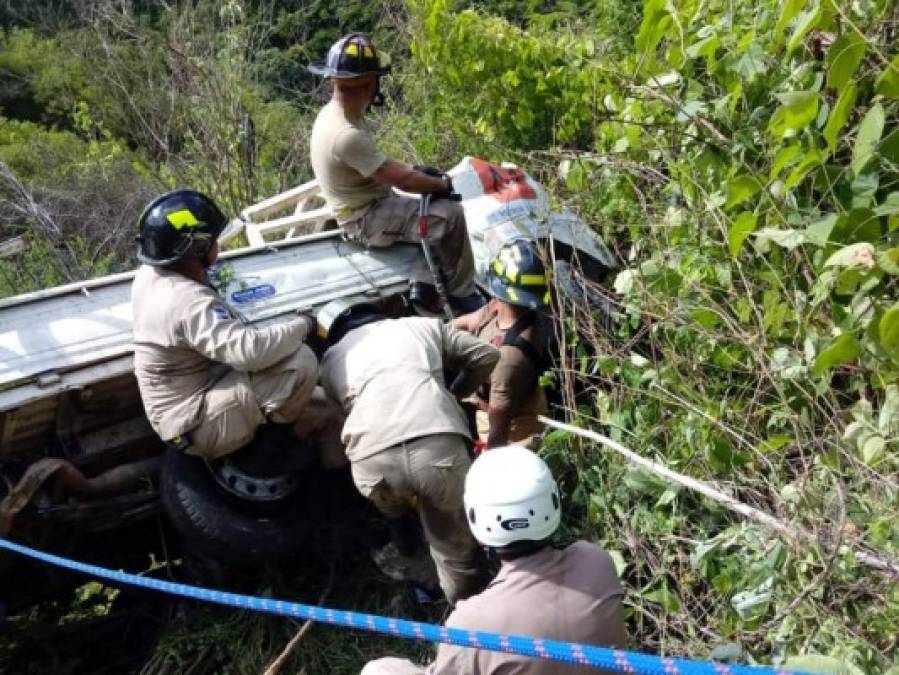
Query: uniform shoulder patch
point(222, 312)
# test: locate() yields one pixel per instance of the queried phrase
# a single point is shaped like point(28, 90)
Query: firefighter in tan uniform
point(203, 372)
point(508, 405)
point(572, 594)
point(356, 178)
point(405, 433)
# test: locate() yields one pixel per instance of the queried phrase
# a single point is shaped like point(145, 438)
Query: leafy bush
point(483, 63)
point(743, 159)
point(74, 201)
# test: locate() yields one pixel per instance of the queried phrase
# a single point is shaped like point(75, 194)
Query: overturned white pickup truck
point(79, 460)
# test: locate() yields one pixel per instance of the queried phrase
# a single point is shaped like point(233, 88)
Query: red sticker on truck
point(501, 183)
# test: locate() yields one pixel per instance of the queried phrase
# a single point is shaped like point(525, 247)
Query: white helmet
point(510, 496)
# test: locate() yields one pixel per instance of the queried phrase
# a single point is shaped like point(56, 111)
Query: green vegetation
point(741, 157)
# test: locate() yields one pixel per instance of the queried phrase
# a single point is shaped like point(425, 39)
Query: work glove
point(429, 170)
point(447, 192)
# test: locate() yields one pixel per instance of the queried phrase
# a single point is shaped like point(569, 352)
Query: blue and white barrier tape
point(568, 652)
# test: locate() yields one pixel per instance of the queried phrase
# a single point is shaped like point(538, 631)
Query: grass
point(100, 630)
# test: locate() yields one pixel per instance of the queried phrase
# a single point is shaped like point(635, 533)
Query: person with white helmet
point(357, 178)
point(406, 435)
point(513, 507)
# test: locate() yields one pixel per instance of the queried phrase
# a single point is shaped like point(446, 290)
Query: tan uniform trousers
point(239, 402)
point(321, 421)
point(429, 471)
point(395, 219)
point(525, 430)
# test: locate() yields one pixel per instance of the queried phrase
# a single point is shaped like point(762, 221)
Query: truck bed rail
point(72, 335)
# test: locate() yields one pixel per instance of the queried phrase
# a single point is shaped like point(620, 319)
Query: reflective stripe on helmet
point(182, 218)
point(510, 273)
point(517, 275)
point(350, 57)
point(511, 270)
point(352, 49)
point(530, 280)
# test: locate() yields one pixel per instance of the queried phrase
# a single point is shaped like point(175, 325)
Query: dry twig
point(275, 666)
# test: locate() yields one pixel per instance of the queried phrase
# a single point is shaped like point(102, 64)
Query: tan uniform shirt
point(513, 381)
point(572, 595)
point(388, 376)
point(186, 338)
point(344, 156)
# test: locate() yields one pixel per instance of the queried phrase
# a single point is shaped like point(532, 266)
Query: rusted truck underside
point(77, 456)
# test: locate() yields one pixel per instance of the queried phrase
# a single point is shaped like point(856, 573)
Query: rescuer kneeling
point(206, 376)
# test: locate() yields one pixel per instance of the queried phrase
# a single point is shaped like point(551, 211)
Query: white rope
point(793, 533)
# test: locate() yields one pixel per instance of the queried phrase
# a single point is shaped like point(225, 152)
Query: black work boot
point(424, 298)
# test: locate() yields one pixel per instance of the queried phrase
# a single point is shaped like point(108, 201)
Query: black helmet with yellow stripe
point(351, 56)
point(177, 225)
point(516, 275)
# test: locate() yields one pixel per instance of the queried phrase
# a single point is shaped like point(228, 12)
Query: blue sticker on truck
point(253, 293)
point(221, 312)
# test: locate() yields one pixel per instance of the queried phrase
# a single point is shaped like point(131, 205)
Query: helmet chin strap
point(196, 248)
point(377, 99)
point(199, 247)
point(519, 549)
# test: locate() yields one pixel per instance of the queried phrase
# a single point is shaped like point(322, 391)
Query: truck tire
point(218, 527)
